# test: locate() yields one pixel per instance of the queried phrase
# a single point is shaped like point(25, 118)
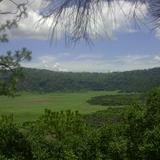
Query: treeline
point(65, 136)
point(49, 81)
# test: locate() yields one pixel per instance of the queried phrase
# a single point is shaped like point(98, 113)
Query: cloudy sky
point(122, 44)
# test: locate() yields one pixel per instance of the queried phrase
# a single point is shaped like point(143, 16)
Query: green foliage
point(13, 144)
point(112, 115)
point(151, 146)
point(2, 157)
point(11, 71)
point(57, 135)
point(153, 108)
point(142, 129)
point(134, 129)
point(49, 81)
point(116, 100)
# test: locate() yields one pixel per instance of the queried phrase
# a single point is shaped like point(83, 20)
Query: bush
point(13, 144)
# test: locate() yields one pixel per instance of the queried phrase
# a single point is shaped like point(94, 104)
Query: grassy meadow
point(28, 106)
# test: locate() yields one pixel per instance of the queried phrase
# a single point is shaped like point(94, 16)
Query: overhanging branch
point(77, 15)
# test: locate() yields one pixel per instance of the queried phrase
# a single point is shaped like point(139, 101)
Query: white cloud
point(157, 58)
point(105, 25)
point(45, 62)
point(92, 63)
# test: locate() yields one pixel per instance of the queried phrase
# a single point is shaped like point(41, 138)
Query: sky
point(120, 47)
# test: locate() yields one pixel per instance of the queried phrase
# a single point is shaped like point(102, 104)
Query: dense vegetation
point(116, 100)
point(10, 62)
point(131, 81)
point(11, 71)
point(66, 136)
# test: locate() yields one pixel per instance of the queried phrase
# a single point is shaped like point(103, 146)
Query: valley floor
point(28, 106)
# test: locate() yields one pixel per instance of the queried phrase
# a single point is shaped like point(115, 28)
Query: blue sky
point(125, 48)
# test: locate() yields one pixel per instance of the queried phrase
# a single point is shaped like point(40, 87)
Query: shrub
point(12, 141)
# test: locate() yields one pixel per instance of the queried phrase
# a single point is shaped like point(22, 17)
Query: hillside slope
point(50, 81)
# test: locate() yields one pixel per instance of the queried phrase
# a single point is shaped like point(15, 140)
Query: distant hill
point(50, 81)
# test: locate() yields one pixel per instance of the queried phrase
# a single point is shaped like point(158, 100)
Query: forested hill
point(49, 81)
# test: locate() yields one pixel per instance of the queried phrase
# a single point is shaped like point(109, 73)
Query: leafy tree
point(142, 129)
point(13, 144)
point(153, 108)
point(10, 68)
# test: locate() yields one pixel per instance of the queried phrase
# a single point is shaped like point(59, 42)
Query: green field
point(29, 106)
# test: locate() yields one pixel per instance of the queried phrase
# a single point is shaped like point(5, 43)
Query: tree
point(13, 144)
point(142, 129)
point(10, 68)
point(11, 71)
point(79, 17)
point(19, 12)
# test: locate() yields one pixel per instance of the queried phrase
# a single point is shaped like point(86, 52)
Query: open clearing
point(29, 106)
